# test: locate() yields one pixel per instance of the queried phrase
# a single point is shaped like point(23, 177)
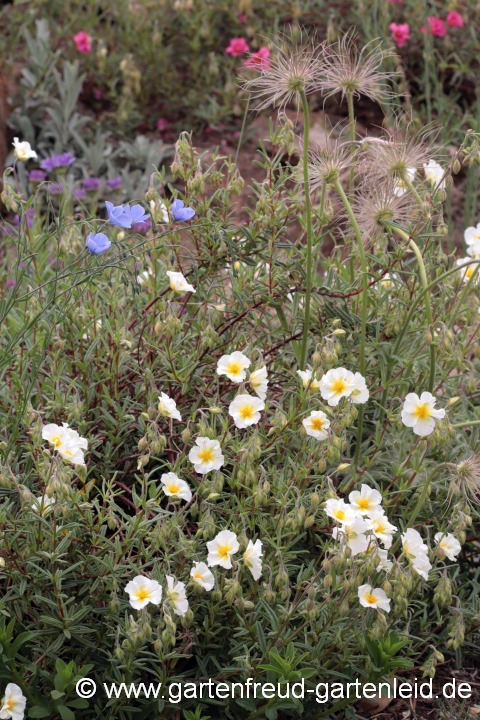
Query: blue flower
point(125, 216)
point(180, 212)
point(98, 243)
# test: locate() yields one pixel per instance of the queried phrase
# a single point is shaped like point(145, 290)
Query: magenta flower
point(399, 33)
point(237, 46)
point(258, 59)
point(455, 19)
point(162, 124)
point(83, 42)
point(436, 26)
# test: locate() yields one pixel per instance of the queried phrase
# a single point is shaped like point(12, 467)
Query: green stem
point(364, 309)
point(469, 285)
point(308, 210)
point(352, 135)
point(466, 424)
point(410, 186)
point(242, 131)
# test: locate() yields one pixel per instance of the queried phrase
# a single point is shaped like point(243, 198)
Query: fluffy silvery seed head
point(399, 152)
point(294, 67)
point(325, 164)
point(349, 70)
point(376, 205)
point(466, 478)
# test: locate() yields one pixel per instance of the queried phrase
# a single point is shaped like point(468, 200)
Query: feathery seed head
point(294, 68)
point(352, 71)
point(466, 477)
point(325, 163)
point(377, 204)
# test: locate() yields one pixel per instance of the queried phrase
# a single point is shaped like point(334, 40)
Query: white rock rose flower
point(308, 380)
point(43, 504)
point(472, 239)
point(434, 173)
point(245, 410)
point(316, 425)
point(252, 558)
point(167, 407)
point(449, 544)
point(202, 576)
point(221, 549)
point(354, 534)
point(360, 392)
point(373, 598)
point(178, 283)
point(177, 596)
point(468, 271)
point(233, 366)
point(340, 511)
point(259, 381)
point(142, 591)
point(401, 187)
point(336, 384)
point(206, 456)
point(173, 486)
point(23, 150)
point(419, 413)
point(13, 703)
point(379, 524)
point(416, 552)
point(365, 500)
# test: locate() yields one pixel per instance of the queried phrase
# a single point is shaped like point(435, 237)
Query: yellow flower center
point(206, 455)
point(142, 594)
point(173, 284)
point(339, 386)
point(363, 503)
point(444, 545)
point(469, 272)
point(380, 527)
point(370, 599)
point(317, 424)
point(173, 488)
point(11, 703)
point(198, 576)
point(253, 381)
point(246, 413)
point(56, 440)
point(339, 514)
point(68, 452)
point(223, 551)
point(422, 412)
point(174, 596)
point(234, 368)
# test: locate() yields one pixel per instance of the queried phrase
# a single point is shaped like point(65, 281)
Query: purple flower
point(55, 188)
point(56, 161)
point(115, 182)
point(36, 176)
point(142, 227)
point(180, 212)
point(125, 216)
point(79, 193)
point(97, 243)
point(91, 183)
point(28, 215)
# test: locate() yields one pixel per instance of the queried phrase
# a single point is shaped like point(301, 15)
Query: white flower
point(373, 598)
point(387, 281)
point(419, 413)
point(206, 456)
point(173, 486)
point(159, 211)
point(401, 186)
point(178, 283)
point(168, 407)
point(416, 551)
point(335, 384)
point(259, 381)
point(468, 270)
point(317, 424)
point(449, 544)
point(308, 381)
point(13, 702)
point(233, 366)
point(340, 510)
point(23, 151)
point(66, 441)
point(142, 591)
point(252, 558)
point(177, 596)
point(245, 410)
point(73, 453)
point(379, 524)
point(472, 239)
point(201, 575)
point(360, 392)
point(300, 300)
point(43, 504)
point(434, 173)
point(142, 278)
point(221, 549)
point(385, 563)
point(73, 435)
point(354, 533)
point(366, 500)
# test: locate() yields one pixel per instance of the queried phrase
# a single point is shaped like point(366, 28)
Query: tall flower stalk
point(308, 211)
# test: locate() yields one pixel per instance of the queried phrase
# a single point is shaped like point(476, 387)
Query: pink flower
point(162, 124)
point(237, 46)
point(83, 42)
point(455, 19)
point(436, 26)
point(399, 33)
point(258, 59)
point(242, 18)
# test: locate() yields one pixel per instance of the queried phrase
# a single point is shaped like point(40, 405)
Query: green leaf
point(65, 712)
point(56, 694)
point(38, 712)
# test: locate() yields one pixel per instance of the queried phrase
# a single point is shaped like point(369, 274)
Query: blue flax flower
point(125, 216)
point(56, 161)
point(97, 243)
point(180, 212)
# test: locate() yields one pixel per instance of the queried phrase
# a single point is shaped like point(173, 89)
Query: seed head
point(350, 70)
point(466, 479)
point(376, 205)
point(325, 164)
point(294, 68)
